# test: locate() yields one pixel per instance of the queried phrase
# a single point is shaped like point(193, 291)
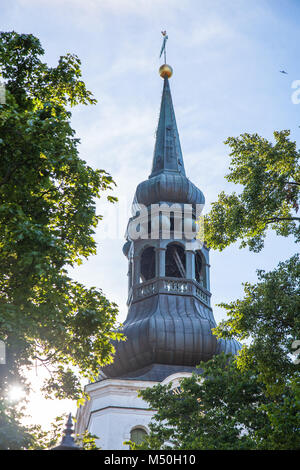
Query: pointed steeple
point(167, 152)
point(167, 182)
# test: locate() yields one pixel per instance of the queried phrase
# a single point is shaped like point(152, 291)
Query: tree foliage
point(46, 440)
point(47, 223)
point(269, 175)
point(269, 316)
point(223, 408)
point(13, 434)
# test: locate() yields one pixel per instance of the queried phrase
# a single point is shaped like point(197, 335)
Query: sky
point(226, 57)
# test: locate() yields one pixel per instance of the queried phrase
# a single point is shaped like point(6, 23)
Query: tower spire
point(167, 151)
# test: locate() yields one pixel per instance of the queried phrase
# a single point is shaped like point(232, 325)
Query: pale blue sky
point(226, 57)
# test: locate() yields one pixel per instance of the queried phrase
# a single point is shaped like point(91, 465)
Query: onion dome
point(168, 187)
point(164, 329)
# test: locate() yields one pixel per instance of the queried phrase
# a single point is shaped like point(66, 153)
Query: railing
point(146, 289)
point(202, 295)
point(167, 285)
point(176, 286)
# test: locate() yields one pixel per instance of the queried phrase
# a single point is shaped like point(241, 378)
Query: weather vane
point(165, 70)
point(163, 47)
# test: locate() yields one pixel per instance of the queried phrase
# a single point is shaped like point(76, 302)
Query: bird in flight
point(283, 71)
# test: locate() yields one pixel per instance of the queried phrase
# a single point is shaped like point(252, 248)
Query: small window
point(138, 435)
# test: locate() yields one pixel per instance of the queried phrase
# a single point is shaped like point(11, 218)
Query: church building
point(170, 319)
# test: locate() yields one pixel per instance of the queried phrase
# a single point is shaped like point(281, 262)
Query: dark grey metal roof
point(158, 372)
point(167, 152)
point(228, 346)
point(168, 187)
point(166, 329)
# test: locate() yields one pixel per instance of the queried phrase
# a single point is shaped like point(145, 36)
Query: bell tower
point(170, 319)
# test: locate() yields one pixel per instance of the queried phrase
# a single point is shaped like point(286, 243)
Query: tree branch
point(279, 219)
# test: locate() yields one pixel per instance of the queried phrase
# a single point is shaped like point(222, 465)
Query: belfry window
point(175, 261)
point(200, 269)
point(138, 435)
point(148, 264)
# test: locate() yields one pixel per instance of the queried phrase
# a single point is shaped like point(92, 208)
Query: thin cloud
point(141, 7)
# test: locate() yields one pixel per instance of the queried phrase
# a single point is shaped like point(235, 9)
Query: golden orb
point(165, 70)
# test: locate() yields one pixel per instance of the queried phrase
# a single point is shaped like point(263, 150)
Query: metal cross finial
point(163, 47)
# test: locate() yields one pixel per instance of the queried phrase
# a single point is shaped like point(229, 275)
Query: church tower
point(170, 320)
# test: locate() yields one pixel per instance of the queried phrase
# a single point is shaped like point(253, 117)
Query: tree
point(13, 435)
point(252, 400)
point(269, 316)
point(47, 221)
point(220, 409)
point(270, 179)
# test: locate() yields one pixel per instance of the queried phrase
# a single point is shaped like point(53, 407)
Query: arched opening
point(175, 261)
point(200, 273)
point(148, 264)
point(138, 435)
